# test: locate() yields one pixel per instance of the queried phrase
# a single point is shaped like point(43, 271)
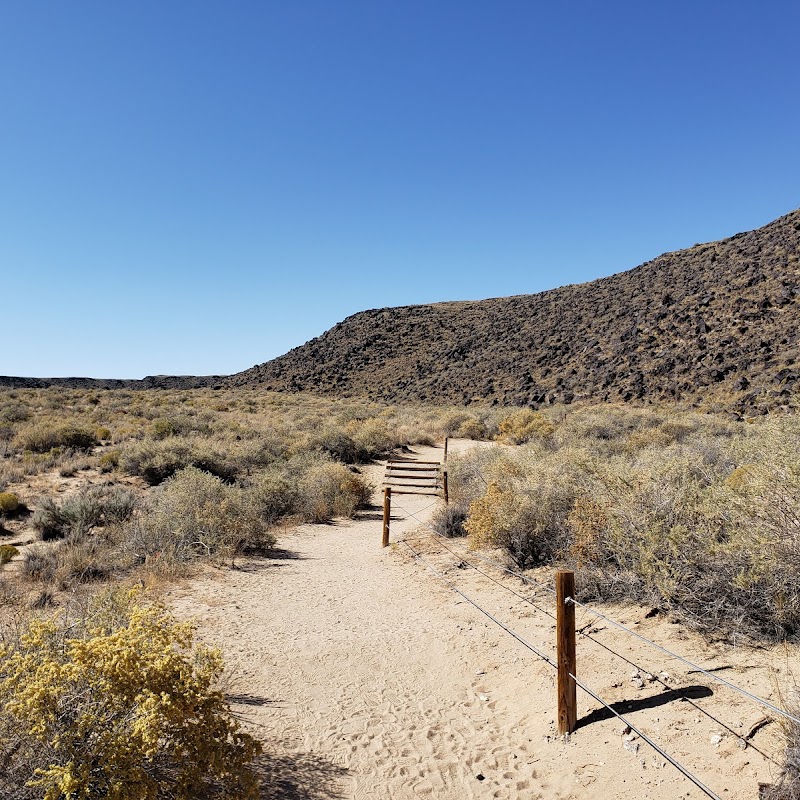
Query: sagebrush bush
point(81, 512)
point(193, 515)
point(118, 705)
point(449, 520)
point(109, 461)
point(331, 490)
point(523, 425)
point(42, 438)
point(155, 461)
point(685, 513)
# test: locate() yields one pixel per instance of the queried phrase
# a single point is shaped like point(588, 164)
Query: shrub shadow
point(299, 776)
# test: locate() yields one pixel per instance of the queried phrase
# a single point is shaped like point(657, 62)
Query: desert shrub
point(334, 442)
point(80, 513)
point(787, 785)
point(119, 704)
point(7, 552)
point(14, 412)
point(472, 429)
point(374, 437)
point(275, 495)
point(679, 512)
point(42, 438)
point(195, 515)
point(332, 490)
point(155, 461)
point(523, 425)
point(40, 563)
point(178, 426)
point(102, 433)
point(449, 520)
point(527, 526)
point(9, 504)
point(85, 561)
point(108, 461)
point(452, 421)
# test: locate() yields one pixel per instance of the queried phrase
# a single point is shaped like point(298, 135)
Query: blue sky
point(196, 187)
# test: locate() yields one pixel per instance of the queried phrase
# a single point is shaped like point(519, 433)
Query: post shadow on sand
point(299, 776)
point(654, 701)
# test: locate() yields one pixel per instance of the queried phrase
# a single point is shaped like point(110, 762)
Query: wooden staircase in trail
point(415, 477)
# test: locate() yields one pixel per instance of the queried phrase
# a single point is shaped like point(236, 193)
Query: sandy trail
point(367, 677)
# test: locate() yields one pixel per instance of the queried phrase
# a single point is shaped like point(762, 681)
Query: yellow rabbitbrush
point(121, 706)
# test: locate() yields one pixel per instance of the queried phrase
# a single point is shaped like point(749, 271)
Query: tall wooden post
point(565, 648)
point(387, 513)
point(444, 486)
point(446, 438)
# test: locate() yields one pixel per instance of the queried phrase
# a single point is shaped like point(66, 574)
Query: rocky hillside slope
point(714, 324)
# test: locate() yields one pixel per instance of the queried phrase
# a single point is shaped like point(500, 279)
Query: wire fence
point(466, 560)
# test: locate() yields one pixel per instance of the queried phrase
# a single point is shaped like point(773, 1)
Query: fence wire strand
point(491, 616)
point(495, 564)
point(675, 763)
point(755, 698)
point(578, 682)
point(660, 750)
point(722, 681)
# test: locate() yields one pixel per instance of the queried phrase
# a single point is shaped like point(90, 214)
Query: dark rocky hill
point(150, 382)
point(714, 324)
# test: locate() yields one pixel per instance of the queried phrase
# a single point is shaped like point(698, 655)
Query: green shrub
point(109, 461)
point(7, 552)
point(9, 504)
point(120, 704)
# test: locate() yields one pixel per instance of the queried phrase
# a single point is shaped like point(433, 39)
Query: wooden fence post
point(565, 648)
point(444, 485)
point(387, 513)
point(445, 448)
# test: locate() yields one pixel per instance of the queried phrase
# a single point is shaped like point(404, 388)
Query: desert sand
point(366, 676)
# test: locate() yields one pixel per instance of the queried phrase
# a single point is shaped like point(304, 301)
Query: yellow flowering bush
point(122, 706)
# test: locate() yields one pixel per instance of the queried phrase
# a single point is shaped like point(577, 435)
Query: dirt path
point(367, 677)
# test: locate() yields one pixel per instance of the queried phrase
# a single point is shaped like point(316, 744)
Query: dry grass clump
point(119, 702)
point(693, 513)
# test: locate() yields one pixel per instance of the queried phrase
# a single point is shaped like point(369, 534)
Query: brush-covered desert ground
point(358, 670)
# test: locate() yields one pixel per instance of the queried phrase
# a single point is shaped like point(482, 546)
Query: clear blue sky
point(196, 187)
